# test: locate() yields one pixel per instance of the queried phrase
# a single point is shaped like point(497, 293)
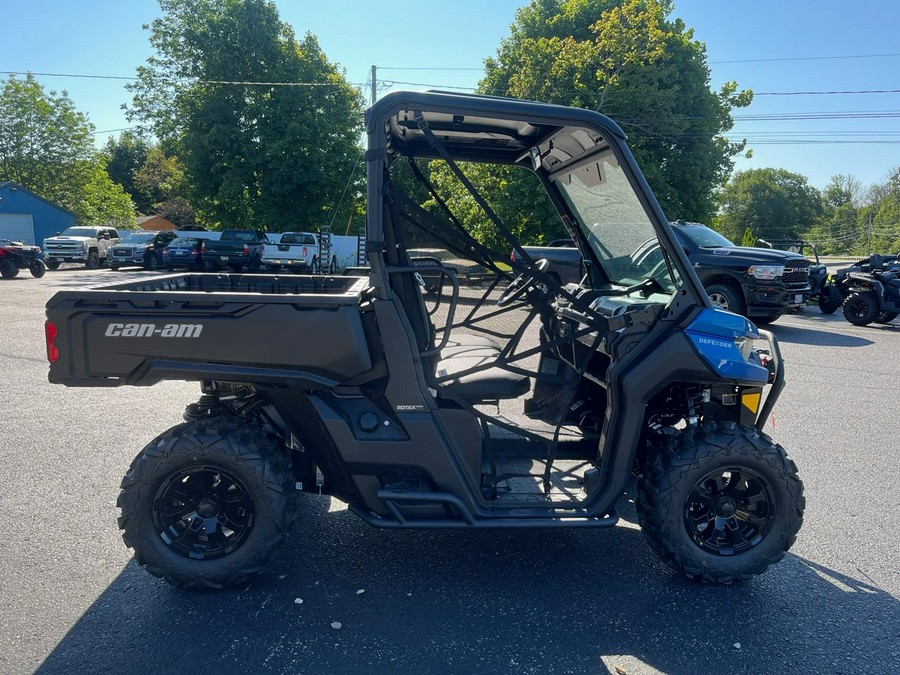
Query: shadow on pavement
point(825, 333)
point(537, 601)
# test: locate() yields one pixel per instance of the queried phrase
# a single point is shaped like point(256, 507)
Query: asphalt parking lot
point(577, 601)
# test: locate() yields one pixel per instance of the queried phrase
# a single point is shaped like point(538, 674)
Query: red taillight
point(512, 256)
point(304, 252)
point(263, 249)
point(195, 252)
point(246, 250)
point(166, 251)
point(51, 332)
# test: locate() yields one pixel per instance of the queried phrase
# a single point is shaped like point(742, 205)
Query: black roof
point(488, 128)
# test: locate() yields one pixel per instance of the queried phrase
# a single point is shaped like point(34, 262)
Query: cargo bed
point(299, 331)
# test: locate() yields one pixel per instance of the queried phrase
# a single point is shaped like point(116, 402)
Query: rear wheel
point(314, 267)
point(829, 299)
point(721, 503)
point(8, 269)
point(207, 503)
point(333, 267)
point(886, 317)
point(726, 297)
point(38, 269)
point(93, 261)
point(861, 308)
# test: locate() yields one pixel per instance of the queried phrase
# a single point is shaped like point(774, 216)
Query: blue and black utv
point(508, 402)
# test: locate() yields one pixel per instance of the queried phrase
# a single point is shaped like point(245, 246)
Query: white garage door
point(17, 227)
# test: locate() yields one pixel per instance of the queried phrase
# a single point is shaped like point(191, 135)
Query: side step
point(464, 518)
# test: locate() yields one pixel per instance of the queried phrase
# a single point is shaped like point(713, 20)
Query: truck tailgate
point(300, 331)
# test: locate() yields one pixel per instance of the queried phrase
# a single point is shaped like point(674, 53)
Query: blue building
point(24, 216)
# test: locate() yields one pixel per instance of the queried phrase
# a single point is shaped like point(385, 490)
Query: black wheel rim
point(203, 512)
point(857, 308)
point(729, 511)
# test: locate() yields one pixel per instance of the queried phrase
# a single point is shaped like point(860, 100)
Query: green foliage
point(627, 59)
point(160, 182)
point(254, 155)
point(772, 203)
point(46, 145)
point(749, 239)
point(101, 201)
point(126, 155)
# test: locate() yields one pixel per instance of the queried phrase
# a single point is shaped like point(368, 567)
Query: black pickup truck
point(759, 283)
point(235, 250)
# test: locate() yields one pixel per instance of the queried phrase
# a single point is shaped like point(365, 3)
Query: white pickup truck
point(81, 244)
point(300, 251)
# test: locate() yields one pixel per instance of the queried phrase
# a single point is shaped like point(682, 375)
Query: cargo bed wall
point(309, 335)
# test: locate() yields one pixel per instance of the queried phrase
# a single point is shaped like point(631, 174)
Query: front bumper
point(763, 299)
point(130, 258)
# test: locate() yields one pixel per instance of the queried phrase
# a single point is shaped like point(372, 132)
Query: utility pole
point(374, 82)
point(869, 236)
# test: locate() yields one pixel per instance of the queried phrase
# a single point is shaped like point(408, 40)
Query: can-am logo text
point(170, 330)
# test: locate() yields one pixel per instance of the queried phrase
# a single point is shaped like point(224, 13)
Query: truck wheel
point(721, 503)
point(333, 267)
point(829, 299)
point(93, 261)
point(725, 297)
point(886, 317)
point(53, 264)
point(861, 308)
point(8, 269)
point(151, 262)
point(207, 503)
point(38, 269)
point(314, 267)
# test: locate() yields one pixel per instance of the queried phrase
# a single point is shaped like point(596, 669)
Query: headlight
point(766, 272)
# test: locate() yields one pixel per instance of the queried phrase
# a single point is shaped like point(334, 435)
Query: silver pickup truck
point(81, 244)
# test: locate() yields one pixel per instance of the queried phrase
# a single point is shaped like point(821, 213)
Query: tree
point(772, 203)
point(126, 155)
point(627, 59)
point(46, 145)
point(273, 156)
point(160, 183)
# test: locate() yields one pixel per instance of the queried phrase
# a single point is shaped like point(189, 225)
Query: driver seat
point(464, 352)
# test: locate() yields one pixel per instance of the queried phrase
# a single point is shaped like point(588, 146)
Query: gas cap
point(368, 421)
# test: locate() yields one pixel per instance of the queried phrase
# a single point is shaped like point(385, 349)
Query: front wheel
point(53, 264)
point(886, 317)
point(207, 503)
point(38, 269)
point(93, 261)
point(721, 503)
point(766, 319)
point(151, 262)
point(726, 297)
point(861, 308)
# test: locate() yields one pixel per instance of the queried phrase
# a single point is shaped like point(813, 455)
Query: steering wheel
point(522, 283)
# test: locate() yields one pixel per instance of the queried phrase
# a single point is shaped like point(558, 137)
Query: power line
point(807, 58)
point(189, 80)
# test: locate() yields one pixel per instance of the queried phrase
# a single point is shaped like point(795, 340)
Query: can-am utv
point(512, 403)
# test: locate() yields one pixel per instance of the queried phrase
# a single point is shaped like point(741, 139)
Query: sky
point(780, 50)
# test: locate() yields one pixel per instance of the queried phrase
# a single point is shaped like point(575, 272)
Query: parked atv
point(15, 256)
point(519, 403)
point(874, 296)
point(838, 285)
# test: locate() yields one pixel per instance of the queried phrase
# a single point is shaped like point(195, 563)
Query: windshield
point(704, 237)
point(137, 238)
point(79, 232)
point(182, 242)
point(615, 223)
